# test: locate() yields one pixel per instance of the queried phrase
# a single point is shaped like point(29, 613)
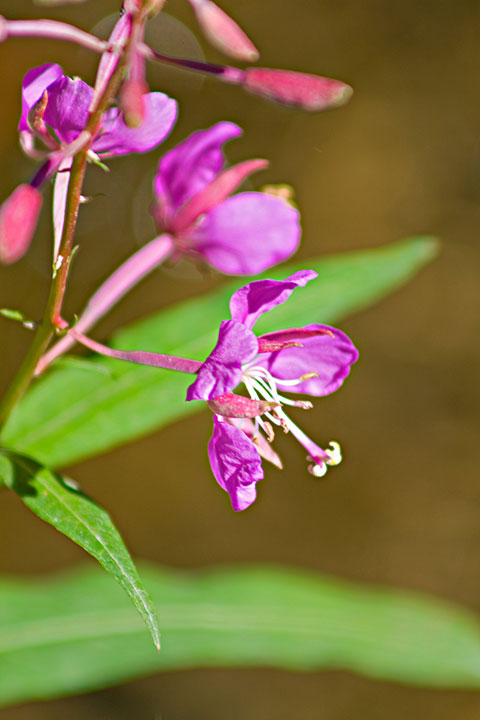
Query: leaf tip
point(428, 246)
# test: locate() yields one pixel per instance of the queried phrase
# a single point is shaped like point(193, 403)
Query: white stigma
point(335, 454)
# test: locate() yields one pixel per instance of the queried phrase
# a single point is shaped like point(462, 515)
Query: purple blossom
point(55, 110)
point(314, 360)
point(240, 235)
point(66, 110)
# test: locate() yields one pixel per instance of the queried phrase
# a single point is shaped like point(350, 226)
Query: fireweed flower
point(313, 360)
point(240, 235)
point(66, 108)
point(55, 110)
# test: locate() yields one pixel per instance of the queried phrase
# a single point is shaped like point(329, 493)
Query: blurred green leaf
point(78, 633)
point(71, 414)
point(79, 363)
point(6, 471)
point(57, 501)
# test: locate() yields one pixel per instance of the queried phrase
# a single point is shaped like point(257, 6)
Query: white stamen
point(261, 384)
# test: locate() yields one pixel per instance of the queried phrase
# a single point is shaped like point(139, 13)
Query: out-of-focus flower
point(314, 360)
point(240, 235)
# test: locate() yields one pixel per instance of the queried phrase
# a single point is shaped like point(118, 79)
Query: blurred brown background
point(404, 508)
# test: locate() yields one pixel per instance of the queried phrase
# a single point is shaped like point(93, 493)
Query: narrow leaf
point(71, 414)
point(57, 501)
point(78, 633)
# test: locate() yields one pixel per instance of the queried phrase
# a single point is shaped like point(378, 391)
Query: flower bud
point(131, 102)
point(309, 92)
point(223, 32)
point(18, 220)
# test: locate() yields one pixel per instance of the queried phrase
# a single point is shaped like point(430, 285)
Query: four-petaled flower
point(240, 235)
point(314, 360)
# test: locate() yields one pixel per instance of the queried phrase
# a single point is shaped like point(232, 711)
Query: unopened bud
point(131, 102)
point(309, 92)
point(223, 32)
point(18, 220)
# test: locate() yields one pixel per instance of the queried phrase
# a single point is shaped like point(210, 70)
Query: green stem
point(53, 309)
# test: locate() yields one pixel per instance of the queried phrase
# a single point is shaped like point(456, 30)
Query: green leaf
point(72, 414)
point(82, 364)
point(58, 501)
point(78, 633)
point(6, 471)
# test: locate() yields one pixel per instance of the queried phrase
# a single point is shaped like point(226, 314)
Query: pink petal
point(263, 447)
point(223, 32)
point(119, 139)
point(260, 296)
point(67, 107)
point(329, 354)
point(235, 463)
point(18, 220)
point(190, 166)
point(222, 370)
point(247, 233)
point(34, 85)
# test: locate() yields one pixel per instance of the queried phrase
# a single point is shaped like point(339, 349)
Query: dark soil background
point(403, 509)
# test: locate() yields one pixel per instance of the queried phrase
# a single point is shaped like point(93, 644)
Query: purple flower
point(314, 360)
point(62, 114)
point(240, 235)
point(55, 110)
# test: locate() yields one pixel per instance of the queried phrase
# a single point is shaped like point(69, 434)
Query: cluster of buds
point(197, 214)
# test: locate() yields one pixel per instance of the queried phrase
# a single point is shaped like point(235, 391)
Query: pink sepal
point(263, 447)
point(215, 192)
point(284, 339)
point(237, 406)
